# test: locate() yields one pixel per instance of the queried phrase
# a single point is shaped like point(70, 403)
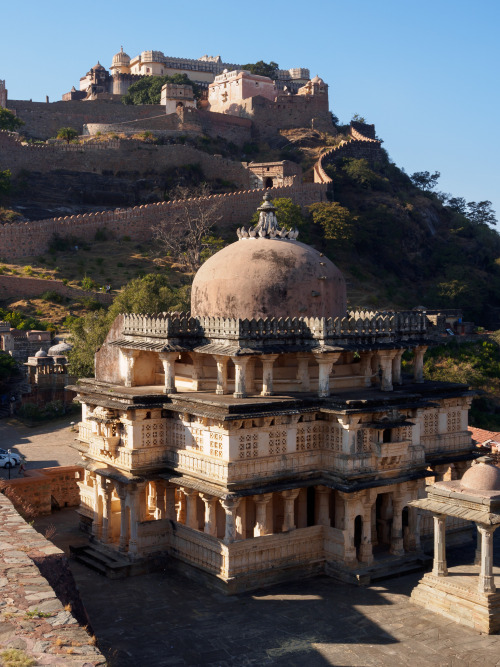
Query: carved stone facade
point(258, 450)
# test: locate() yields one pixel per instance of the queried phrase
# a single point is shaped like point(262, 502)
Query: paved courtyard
point(165, 619)
point(43, 446)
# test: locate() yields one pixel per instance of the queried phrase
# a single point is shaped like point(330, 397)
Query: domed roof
point(318, 80)
point(40, 353)
point(267, 273)
point(60, 349)
point(121, 58)
point(98, 66)
point(481, 476)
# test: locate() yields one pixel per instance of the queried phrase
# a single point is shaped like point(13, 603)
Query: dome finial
point(267, 227)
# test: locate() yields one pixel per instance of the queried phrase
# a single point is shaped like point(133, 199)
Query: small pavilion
point(456, 592)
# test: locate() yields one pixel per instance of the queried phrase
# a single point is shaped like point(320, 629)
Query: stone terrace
point(165, 619)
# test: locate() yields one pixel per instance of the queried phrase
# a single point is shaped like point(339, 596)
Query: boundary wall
point(362, 145)
point(114, 156)
point(25, 239)
point(35, 576)
point(14, 286)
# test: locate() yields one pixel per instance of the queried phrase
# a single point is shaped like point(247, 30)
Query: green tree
point(67, 134)
point(357, 118)
point(262, 69)
point(5, 184)
point(336, 220)
point(148, 89)
point(152, 293)
point(360, 172)
point(8, 121)
point(424, 180)
point(481, 213)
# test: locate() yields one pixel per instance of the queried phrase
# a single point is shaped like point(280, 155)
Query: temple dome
point(121, 58)
point(61, 349)
point(267, 273)
point(481, 476)
point(41, 353)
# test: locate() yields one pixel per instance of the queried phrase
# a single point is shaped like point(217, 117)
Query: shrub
point(101, 234)
point(28, 270)
point(65, 281)
point(126, 238)
point(52, 295)
point(89, 283)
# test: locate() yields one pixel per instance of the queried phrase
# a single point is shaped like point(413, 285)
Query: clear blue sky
point(425, 72)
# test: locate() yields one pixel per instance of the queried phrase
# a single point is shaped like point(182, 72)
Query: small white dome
point(41, 353)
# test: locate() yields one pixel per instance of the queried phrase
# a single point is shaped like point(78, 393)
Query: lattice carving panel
point(333, 438)
point(277, 442)
point(249, 446)
point(216, 444)
point(310, 436)
point(453, 421)
point(197, 439)
point(430, 423)
point(363, 441)
point(153, 434)
point(177, 435)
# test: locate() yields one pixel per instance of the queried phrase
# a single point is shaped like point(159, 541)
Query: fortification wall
point(32, 238)
point(289, 111)
point(35, 576)
point(114, 156)
point(37, 488)
point(13, 286)
point(43, 120)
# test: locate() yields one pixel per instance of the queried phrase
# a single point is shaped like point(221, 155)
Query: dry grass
point(14, 657)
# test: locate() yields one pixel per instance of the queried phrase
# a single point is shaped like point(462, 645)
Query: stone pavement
point(164, 619)
point(44, 446)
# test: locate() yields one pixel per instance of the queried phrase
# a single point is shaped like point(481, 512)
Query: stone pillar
point(181, 510)
point(261, 524)
point(366, 366)
point(439, 472)
point(210, 514)
point(303, 371)
point(289, 506)
point(397, 547)
point(130, 357)
point(385, 359)
point(323, 505)
point(267, 373)
point(97, 522)
point(168, 360)
point(221, 374)
point(375, 367)
point(192, 508)
point(325, 362)
point(229, 505)
point(107, 489)
point(439, 568)
point(134, 502)
point(366, 548)
point(240, 364)
point(418, 363)
point(339, 510)
point(396, 368)
point(160, 509)
point(170, 503)
point(477, 553)
point(486, 578)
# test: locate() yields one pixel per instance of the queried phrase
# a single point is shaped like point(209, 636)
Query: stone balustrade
point(356, 324)
point(449, 442)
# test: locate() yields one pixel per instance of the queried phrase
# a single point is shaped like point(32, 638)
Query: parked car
point(16, 457)
point(7, 461)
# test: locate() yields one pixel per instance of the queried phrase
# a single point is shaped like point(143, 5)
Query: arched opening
point(406, 529)
point(179, 105)
point(268, 183)
point(386, 435)
point(358, 532)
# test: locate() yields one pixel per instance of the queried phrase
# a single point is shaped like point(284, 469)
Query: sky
point(426, 73)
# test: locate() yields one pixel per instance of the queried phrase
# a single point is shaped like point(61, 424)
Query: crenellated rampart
point(27, 239)
point(12, 286)
point(362, 145)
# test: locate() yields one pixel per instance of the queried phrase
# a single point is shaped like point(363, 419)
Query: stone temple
point(268, 434)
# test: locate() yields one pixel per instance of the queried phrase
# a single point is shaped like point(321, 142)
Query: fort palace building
point(269, 433)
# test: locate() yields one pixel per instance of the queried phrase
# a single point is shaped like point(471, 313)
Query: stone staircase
point(112, 564)
point(382, 568)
